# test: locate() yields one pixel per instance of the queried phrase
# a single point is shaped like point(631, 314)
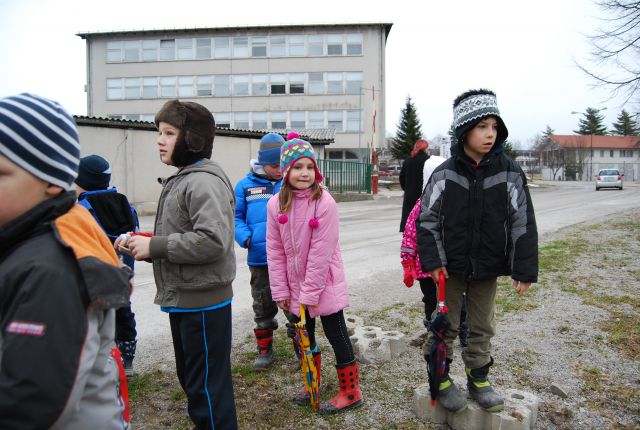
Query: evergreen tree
point(409, 131)
point(592, 123)
point(625, 125)
point(507, 148)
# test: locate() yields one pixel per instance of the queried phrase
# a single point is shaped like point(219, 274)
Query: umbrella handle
point(303, 316)
point(441, 286)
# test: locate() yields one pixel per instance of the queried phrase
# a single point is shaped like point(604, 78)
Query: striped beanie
point(269, 152)
point(293, 150)
point(471, 107)
point(41, 137)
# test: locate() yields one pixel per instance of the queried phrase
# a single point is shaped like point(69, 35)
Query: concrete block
point(373, 345)
point(520, 412)
point(353, 321)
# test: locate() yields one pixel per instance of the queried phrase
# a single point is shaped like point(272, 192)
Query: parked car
point(609, 178)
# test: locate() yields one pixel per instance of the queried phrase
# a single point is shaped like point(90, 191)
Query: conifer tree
point(592, 123)
point(409, 131)
point(625, 125)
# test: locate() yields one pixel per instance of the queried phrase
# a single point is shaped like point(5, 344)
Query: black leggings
point(335, 328)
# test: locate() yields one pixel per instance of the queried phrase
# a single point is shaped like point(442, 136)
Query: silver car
point(609, 178)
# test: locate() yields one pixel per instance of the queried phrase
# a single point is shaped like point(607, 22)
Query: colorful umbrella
point(309, 371)
point(437, 365)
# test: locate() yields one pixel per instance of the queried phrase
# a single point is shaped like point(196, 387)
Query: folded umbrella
point(437, 364)
point(309, 371)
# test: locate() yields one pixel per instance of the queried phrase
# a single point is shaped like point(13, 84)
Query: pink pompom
point(282, 218)
point(314, 223)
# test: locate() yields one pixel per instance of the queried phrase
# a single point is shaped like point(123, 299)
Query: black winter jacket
point(478, 220)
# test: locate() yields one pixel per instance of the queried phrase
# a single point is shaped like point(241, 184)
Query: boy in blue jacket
point(252, 194)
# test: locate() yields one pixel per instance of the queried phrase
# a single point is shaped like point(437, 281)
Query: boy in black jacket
point(477, 223)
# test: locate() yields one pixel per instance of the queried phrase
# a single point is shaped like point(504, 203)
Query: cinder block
point(520, 412)
point(353, 321)
point(373, 345)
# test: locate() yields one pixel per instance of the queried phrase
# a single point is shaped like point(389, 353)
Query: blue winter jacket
point(252, 194)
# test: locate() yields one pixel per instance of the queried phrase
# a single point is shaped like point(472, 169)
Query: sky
point(522, 50)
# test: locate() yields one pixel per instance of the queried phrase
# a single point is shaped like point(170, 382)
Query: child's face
point(273, 171)
point(302, 174)
point(167, 137)
point(20, 191)
point(481, 138)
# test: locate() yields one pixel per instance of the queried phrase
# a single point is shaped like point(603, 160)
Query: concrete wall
point(136, 165)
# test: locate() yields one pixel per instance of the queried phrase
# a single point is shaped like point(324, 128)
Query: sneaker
point(128, 367)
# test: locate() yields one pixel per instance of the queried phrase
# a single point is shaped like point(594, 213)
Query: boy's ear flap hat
point(41, 137)
point(94, 173)
point(293, 150)
point(269, 152)
point(197, 130)
point(472, 106)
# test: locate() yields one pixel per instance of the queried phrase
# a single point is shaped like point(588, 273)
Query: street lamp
point(590, 144)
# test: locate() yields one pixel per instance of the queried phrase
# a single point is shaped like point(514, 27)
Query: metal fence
point(346, 176)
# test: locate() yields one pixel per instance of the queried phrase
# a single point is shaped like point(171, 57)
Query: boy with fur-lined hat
point(477, 223)
point(252, 194)
point(60, 282)
point(194, 261)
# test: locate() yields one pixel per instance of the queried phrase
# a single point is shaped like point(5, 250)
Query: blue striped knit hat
point(269, 152)
point(294, 149)
point(41, 137)
point(471, 107)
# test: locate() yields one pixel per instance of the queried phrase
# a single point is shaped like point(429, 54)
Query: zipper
point(292, 222)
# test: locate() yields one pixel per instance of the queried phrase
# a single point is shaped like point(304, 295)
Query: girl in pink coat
point(305, 265)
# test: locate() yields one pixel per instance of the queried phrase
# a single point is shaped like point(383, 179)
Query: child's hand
point(520, 287)
point(121, 243)
point(435, 273)
point(283, 304)
point(139, 247)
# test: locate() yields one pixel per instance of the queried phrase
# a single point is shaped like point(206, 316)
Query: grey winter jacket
point(192, 247)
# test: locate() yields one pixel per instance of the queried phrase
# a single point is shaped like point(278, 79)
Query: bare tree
point(615, 54)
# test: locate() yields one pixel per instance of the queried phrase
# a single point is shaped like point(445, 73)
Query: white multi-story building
point(259, 78)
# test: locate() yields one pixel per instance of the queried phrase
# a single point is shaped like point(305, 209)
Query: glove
point(409, 273)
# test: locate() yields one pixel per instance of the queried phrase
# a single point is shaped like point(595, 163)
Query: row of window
point(342, 120)
point(234, 85)
point(624, 153)
point(311, 45)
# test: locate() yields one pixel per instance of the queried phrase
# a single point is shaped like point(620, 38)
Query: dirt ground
point(578, 328)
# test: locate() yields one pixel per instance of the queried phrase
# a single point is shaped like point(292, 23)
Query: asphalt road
point(370, 244)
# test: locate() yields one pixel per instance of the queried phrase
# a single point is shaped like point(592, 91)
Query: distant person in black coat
point(411, 178)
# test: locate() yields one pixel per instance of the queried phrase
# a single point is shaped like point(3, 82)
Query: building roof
point(315, 136)
point(599, 142)
point(180, 31)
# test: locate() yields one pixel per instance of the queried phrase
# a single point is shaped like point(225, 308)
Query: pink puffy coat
point(409, 247)
point(305, 264)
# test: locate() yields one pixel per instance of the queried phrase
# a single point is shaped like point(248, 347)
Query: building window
point(240, 47)
point(335, 155)
point(221, 47)
point(241, 120)
point(611, 153)
point(316, 83)
point(354, 82)
point(168, 49)
point(223, 120)
point(335, 119)
point(150, 50)
point(353, 120)
point(354, 44)
point(278, 84)
point(149, 117)
point(132, 51)
point(114, 52)
point(316, 45)
point(132, 88)
point(185, 49)
point(258, 46)
point(334, 83)
point(602, 153)
point(168, 86)
point(278, 120)
point(150, 88)
point(259, 85)
point(240, 85)
point(222, 85)
point(296, 46)
point(204, 86)
point(348, 155)
point(278, 46)
point(203, 48)
point(298, 119)
point(185, 86)
point(296, 83)
point(316, 119)
point(259, 120)
point(626, 153)
point(114, 89)
point(334, 44)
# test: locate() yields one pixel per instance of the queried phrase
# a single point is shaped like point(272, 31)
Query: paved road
point(370, 245)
